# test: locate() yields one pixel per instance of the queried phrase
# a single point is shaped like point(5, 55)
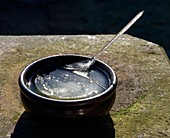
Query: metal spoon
point(86, 64)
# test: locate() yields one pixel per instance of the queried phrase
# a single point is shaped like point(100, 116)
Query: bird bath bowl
point(92, 105)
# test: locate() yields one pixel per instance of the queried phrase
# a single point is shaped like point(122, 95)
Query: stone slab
point(142, 104)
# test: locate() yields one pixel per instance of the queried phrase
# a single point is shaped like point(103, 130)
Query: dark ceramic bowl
point(91, 107)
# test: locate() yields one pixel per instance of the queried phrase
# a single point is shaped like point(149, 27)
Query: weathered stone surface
point(142, 104)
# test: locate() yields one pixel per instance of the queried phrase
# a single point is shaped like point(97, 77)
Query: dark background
point(52, 17)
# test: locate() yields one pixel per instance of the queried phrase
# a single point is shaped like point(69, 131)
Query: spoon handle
point(120, 33)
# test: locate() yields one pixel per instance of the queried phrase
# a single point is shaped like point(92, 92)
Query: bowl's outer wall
point(97, 108)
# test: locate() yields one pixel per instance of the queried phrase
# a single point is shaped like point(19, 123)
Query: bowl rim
point(25, 87)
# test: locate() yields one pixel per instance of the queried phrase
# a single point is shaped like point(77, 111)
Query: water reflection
point(31, 126)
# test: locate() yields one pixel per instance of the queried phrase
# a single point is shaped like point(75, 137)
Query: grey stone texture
point(142, 103)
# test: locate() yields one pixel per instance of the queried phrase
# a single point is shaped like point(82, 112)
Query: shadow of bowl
point(33, 126)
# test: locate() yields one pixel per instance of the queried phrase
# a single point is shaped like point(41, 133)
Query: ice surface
point(65, 84)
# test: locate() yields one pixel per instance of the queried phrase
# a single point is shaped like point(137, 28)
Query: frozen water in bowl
point(68, 85)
